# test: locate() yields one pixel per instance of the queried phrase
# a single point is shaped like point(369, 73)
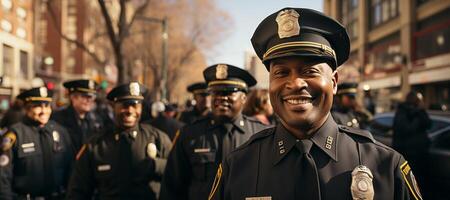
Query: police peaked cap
point(198, 88)
point(348, 88)
point(132, 91)
point(227, 77)
point(38, 94)
point(301, 32)
point(81, 85)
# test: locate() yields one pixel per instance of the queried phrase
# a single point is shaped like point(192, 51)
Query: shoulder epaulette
point(8, 140)
point(357, 131)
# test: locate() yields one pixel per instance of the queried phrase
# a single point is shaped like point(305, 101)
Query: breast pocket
point(203, 163)
point(29, 157)
point(104, 175)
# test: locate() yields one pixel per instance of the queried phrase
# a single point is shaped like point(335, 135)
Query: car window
point(381, 126)
point(443, 141)
point(437, 125)
point(385, 121)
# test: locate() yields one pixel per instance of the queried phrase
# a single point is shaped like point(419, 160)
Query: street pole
point(165, 38)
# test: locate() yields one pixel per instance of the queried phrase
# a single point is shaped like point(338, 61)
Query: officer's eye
point(280, 72)
point(311, 71)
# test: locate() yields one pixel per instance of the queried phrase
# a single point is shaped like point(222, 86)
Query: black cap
point(347, 88)
point(226, 77)
point(38, 94)
point(301, 32)
point(81, 85)
point(198, 88)
point(132, 91)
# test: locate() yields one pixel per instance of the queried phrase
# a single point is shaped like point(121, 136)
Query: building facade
point(16, 48)
point(254, 65)
point(397, 46)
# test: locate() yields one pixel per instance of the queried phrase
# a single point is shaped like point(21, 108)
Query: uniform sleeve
point(219, 185)
point(6, 174)
point(406, 186)
point(161, 160)
point(81, 183)
point(176, 177)
point(69, 156)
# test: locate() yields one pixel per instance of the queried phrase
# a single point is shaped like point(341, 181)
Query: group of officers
point(221, 154)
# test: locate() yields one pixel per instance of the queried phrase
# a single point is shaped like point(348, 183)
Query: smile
point(298, 100)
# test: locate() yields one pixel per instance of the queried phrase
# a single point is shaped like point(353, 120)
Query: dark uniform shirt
point(38, 162)
point(190, 116)
point(197, 153)
point(265, 166)
point(118, 166)
point(79, 129)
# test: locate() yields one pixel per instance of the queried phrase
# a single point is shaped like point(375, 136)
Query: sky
point(246, 15)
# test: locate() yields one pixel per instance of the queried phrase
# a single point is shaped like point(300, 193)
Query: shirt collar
point(325, 139)
point(238, 124)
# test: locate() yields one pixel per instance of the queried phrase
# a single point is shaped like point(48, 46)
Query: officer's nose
point(296, 83)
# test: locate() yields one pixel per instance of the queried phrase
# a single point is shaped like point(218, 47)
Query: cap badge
point(43, 91)
point(288, 25)
point(221, 71)
point(151, 150)
point(91, 84)
point(134, 89)
point(362, 186)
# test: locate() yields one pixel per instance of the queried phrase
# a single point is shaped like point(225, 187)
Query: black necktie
point(46, 147)
point(225, 141)
point(308, 186)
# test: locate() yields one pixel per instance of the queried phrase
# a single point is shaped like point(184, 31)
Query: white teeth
point(298, 101)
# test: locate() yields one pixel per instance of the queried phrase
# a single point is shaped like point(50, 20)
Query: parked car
point(439, 152)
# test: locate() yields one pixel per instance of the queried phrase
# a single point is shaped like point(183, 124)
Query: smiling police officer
point(307, 155)
point(202, 145)
point(125, 162)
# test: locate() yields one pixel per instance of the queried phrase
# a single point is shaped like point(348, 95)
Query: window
point(23, 64)
point(433, 36)
point(8, 60)
point(350, 17)
point(382, 11)
point(383, 55)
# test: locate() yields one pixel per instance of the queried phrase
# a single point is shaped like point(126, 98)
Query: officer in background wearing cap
point(201, 146)
point(125, 161)
point(36, 153)
point(347, 110)
point(78, 117)
point(307, 155)
point(202, 105)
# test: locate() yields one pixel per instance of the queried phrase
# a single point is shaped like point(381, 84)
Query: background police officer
point(37, 153)
point(307, 155)
point(347, 110)
point(202, 105)
point(126, 161)
point(78, 117)
point(202, 145)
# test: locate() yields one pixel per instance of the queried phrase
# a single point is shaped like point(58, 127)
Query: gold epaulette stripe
point(49, 99)
point(300, 44)
point(227, 82)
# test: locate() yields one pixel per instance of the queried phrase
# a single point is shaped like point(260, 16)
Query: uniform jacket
point(24, 173)
point(190, 116)
point(168, 125)
point(67, 117)
point(194, 159)
point(265, 166)
point(117, 165)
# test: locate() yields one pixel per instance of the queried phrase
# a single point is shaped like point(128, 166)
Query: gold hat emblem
point(221, 71)
point(91, 84)
point(288, 25)
point(134, 89)
point(43, 91)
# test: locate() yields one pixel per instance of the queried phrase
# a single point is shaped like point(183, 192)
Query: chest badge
point(151, 150)
point(4, 160)
point(56, 136)
point(362, 185)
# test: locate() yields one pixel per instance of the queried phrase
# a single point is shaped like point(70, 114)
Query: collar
point(325, 139)
point(239, 124)
point(128, 133)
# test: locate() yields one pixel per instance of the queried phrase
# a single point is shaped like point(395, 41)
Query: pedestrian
point(125, 161)
point(202, 105)
point(307, 155)
point(258, 106)
point(347, 110)
point(36, 153)
point(411, 122)
point(79, 118)
point(201, 145)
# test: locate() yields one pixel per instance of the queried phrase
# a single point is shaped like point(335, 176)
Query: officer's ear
point(334, 79)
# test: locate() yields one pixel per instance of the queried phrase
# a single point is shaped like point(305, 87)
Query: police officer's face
point(227, 105)
point(301, 92)
point(203, 101)
point(127, 114)
point(39, 112)
point(82, 102)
